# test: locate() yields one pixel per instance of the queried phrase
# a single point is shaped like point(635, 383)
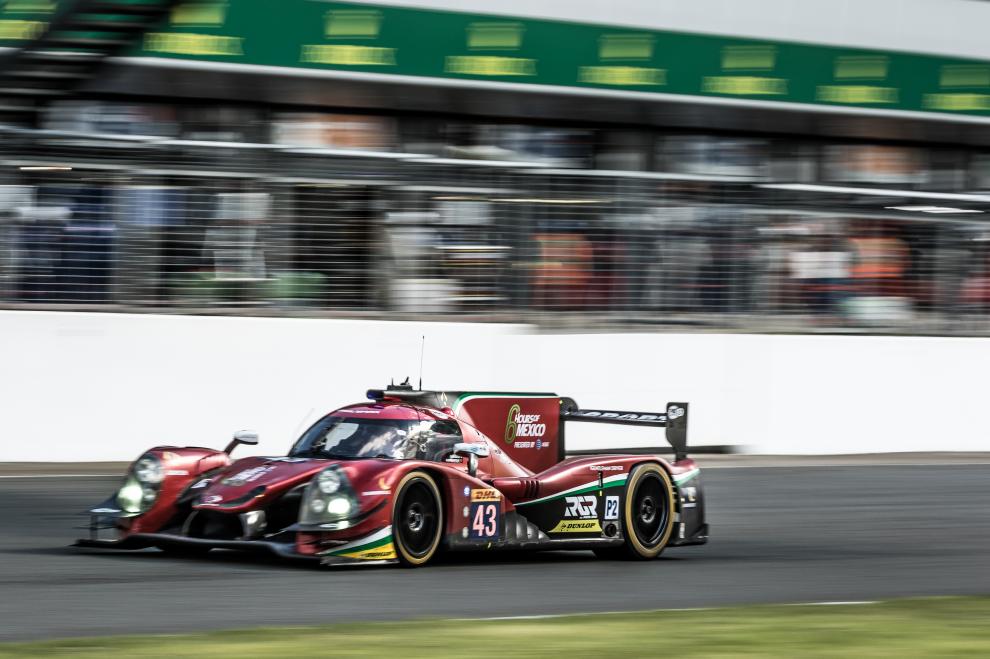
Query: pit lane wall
point(93, 386)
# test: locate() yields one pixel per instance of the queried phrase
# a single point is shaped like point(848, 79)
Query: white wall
point(88, 387)
point(944, 27)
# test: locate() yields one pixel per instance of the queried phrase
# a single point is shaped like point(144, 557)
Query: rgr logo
point(585, 507)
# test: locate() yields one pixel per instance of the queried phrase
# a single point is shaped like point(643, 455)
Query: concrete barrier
point(93, 387)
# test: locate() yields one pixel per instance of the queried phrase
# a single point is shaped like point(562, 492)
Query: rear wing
point(674, 420)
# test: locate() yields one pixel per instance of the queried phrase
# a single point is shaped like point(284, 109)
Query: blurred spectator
point(234, 239)
point(822, 273)
point(974, 291)
point(880, 259)
point(562, 271)
point(38, 252)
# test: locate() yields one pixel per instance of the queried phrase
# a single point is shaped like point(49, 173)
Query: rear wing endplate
point(674, 420)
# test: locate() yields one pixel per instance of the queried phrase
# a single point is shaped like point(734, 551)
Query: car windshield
point(348, 437)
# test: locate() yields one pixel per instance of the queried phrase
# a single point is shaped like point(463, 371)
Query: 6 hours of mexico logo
point(519, 425)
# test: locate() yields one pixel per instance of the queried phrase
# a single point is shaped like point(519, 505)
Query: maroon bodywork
point(526, 486)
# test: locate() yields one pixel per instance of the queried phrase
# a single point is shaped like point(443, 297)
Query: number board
point(485, 520)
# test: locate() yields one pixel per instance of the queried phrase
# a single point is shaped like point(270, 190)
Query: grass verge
point(931, 627)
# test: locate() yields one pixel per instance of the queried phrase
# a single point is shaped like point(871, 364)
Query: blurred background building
point(820, 165)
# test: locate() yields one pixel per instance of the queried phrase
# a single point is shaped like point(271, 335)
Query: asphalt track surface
point(779, 535)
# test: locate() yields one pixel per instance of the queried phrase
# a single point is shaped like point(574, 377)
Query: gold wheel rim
point(640, 548)
point(397, 538)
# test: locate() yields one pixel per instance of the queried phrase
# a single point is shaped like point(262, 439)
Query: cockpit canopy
point(349, 436)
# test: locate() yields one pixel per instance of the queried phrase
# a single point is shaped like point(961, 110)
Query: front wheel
point(648, 514)
point(417, 519)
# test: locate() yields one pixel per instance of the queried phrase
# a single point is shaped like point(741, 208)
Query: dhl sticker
point(488, 494)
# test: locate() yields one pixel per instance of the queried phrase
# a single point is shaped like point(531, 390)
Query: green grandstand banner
point(439, 44)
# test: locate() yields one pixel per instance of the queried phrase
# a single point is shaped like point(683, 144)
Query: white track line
point(849, 603)
point(550, 616)
point(62, 475)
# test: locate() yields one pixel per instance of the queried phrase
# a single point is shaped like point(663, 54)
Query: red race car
point(410, 474)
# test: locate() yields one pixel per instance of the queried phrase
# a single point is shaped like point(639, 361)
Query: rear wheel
point(648, 514)
point(417, 519)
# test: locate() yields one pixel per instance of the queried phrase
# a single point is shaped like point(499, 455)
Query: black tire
point(417, 519)
point(648, 514)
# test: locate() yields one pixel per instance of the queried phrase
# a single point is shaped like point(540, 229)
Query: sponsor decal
point(385, 552)
point(105, 510)
point(201, 484)
point(612, 507)
point(382, 485)
point(606, 468)
point(287, 459)
point(375, 547)
point(577, 526)
point(675, 412)
point(523, 425)
point(583, 507)
point(368, 493)
point(689, 497)
point(488, 494)
point(176, 472)
point(538, 444)
point(248, 475)
point(213, 498)
point(467, 490)
point(626, 416)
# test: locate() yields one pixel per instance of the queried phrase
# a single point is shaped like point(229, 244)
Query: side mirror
point(249, 437)
point(472, 452)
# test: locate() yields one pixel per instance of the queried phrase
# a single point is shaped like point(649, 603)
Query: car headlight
point(339, 506)
point(328, 499)
point(141, 486)
point(148, 469)
point(328, 481)
point(130, 497)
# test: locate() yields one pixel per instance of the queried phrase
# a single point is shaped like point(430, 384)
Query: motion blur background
point(815, 167)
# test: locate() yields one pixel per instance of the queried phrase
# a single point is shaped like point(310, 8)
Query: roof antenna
point(422, 350)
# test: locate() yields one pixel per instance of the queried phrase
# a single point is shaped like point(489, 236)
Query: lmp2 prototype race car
point(410, 474)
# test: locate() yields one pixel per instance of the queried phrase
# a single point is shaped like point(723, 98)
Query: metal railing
point(179, 226)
